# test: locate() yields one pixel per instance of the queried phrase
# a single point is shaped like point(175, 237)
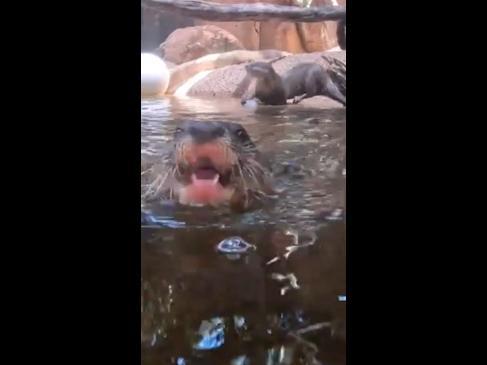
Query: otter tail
point(331, 90)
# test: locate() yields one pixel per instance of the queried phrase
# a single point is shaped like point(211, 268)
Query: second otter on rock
point(300, 82)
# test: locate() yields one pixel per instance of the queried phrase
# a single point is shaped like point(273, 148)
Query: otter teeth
point(214, 181)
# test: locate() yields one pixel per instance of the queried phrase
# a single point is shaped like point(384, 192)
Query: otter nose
point(206, 132)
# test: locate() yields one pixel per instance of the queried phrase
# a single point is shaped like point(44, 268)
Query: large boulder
point(282, 35)
point(189, 43)
point(246, 32)
point(321, 36)
point(229, 81)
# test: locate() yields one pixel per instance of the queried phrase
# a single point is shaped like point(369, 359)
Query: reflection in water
point(212, 334)
point(264, 287)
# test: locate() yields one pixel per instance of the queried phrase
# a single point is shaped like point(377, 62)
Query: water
point(283, 300)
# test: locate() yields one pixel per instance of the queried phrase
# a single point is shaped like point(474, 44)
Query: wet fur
point(303, 81)
point(310, 79)
point(251, 177)
point(270, 89)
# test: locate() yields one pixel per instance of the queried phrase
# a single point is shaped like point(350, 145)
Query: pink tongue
point(204, 187)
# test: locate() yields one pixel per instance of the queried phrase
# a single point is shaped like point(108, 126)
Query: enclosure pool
point(282, 301)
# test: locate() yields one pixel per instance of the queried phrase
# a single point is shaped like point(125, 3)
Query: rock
point(246, 32)
point(189, 43)
point(276, 34)
point(223, 82)
point(321, 36)
point(282, 35)
point(271, 34)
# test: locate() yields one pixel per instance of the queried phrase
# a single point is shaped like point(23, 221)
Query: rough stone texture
point(246, 32)
point(319, 37)
point(298, 37)
point(284, 36)
point(223, 82)
point(189, 43)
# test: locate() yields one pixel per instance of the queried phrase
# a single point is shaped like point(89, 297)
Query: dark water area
point(280, 299)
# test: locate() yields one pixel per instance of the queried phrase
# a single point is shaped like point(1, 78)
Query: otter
point(185, 71)
point(304, 80)
point(211, 164)
point(269, 88)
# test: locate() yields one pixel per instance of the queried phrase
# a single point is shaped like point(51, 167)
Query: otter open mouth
point(208, 176)
point(209, 163)
point(206, 172)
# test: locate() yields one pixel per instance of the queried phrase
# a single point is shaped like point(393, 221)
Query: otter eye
point(241, 133)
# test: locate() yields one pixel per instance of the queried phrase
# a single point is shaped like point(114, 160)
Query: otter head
point(260, 69)
point(214, 163)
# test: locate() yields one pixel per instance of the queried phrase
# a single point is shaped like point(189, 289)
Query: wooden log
point(247, 12)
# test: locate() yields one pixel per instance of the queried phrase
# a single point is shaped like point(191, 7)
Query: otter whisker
point(176, 169)
point(230, 156)
point(252, 178)
point(243, 148)
point(155, 181)
point(221, 145)
point(229, 153)
point(244, 182)
point(154, 189)
point(257, 195)
point(250, 172)
point(181, 149)
point(264, 183)
point(171, 191)
point(150, 189)
point(163, 184)
point(255, 163)
point(263, 176)
point(255, 170)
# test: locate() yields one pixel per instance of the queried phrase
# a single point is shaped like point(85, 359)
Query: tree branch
point(246, 12)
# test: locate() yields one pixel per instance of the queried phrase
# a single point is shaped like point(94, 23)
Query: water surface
point(282, 301)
